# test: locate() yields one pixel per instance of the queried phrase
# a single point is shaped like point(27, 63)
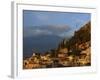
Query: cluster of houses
point(62, 58)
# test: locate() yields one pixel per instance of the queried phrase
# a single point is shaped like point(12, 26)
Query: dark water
point(39, 44)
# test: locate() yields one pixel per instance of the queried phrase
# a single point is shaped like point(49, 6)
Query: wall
point(5, 40)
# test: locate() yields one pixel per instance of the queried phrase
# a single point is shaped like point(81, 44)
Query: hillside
point(81, 36)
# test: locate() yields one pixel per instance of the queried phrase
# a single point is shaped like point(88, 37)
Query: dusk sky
point(56, 23)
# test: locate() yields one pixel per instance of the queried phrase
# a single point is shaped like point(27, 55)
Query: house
point(63, 50)
point(62, 53)
point(25, 63)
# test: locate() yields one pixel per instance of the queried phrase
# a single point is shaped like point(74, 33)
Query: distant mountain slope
point(81, 36)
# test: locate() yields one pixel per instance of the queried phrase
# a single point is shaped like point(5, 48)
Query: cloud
point(36, 32)
point(41, 32)
point(58, 30)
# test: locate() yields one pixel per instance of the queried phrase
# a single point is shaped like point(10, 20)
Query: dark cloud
point(58, 30)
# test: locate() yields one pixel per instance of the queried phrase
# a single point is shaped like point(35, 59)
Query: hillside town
point(69, 53)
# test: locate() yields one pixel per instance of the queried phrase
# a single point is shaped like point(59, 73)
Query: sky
point(44, 30)
point(53, 23)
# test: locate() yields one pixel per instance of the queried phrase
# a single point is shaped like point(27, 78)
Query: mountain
point(83, 35)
